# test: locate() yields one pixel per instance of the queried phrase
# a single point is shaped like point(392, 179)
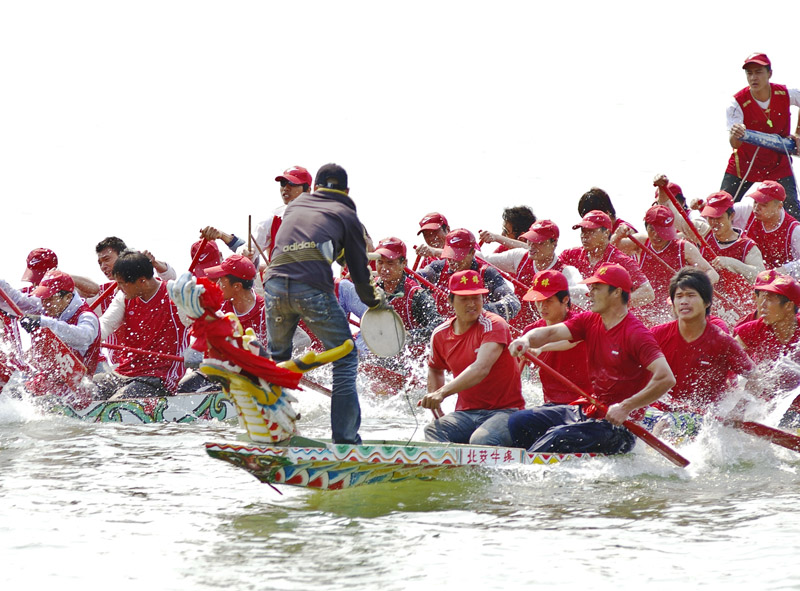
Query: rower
point(516, 221)
point(703, 357)
point(661, 242)
point(550, 294)
point(472, 346)
point(628, 372)
point(55, 305)
point(459, 255)
point(434, 229)
point(148, 320)
point(773, 335)
point(597, 250)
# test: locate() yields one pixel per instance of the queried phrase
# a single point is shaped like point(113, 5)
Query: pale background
point(149, 120)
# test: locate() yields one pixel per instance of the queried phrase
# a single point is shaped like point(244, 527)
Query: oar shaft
point(108, 290)
point(637, 430)
point(424, 281)
point(197, 255)
point(508, 276)
point(684, 215)
point(142, 351)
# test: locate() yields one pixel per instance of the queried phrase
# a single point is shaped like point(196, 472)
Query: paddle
point(106, 292)
point(508, 276)
point(771, 434)
point(685, 216)
point(424, 281)
point(142, 351)
point(197, 255)
point(634, 428)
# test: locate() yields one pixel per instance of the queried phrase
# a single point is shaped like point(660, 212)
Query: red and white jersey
point(730, 284)
point(255, 318)
point(501, 389)
point(578, 258)
point(660, 309)
point(775, 245)
point(153, 325)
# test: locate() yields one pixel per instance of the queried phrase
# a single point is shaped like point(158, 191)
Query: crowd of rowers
point(656, 325)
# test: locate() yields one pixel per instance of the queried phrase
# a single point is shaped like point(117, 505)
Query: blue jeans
point(563, 428)
point(288, 301)
point(478, 427)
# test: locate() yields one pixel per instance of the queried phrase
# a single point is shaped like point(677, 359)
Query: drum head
point(383, 332)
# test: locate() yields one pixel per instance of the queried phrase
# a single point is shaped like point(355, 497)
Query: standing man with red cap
point(628, 373)
point(459, 255)
point(472, 346)
point(596, 227)
point(293, 182)
point(765, 107)
point(434, 229)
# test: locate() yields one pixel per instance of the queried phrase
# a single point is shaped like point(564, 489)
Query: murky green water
point(142, 507)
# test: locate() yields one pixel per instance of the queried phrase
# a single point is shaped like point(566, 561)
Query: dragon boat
point(277, 454)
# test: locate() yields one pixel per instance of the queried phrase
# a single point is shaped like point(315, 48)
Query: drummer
point(473, 346)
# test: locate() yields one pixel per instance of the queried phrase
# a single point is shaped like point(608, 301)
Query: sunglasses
point(284, 182)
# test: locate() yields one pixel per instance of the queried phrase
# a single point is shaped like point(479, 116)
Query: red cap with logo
point(783, 285)
point(674, 188)
point(467, 282)
point(432, 221)
point(662, 220)
point(611, 274)
point(457, 244)
point(595, 219)
point(717, 204)
point(768, 191)
point(391, 248)
point(53, 282)
point(541, 231)
point(209, 258)
point(765, 277)
point(39, 261)
point(546, 284)
point(297, 175)
point(236, 265)
point(757, 58)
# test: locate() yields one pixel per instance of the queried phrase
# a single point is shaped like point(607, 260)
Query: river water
point(98, 506)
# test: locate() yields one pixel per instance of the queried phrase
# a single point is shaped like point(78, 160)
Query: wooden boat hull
point(328, 466)
point(181, 408)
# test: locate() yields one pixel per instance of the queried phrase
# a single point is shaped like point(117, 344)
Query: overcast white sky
point(149, 120)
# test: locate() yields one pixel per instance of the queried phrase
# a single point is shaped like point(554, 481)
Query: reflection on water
point(94, 506)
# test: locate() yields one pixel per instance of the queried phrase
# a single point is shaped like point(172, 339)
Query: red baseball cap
point(209, 258)
point(39, 261)
point(611, 274)
point(663, 221)
point(467, 282)
point(717, 204)
point(783, 285)
point(768, 191)
point(53, 282)
point(297, 175)
point(541, 231)
point(757, 58)
point(457, 244)
point(765, 277)
point(546, 284)
point(391, 248)
point(236, 265)
point(432, 221)
point(595, 219)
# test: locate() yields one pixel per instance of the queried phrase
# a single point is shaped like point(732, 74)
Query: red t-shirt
point(256, 318)
point(702, 368)
point(577, 257)
point(764, 347)
point(454, 353)
point(571, 364)
point(619, 356)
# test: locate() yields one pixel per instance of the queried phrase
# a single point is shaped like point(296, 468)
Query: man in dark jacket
point(319, 228)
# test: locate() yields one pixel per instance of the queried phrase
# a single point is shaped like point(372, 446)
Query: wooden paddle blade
point(771, 434)
point(658, 445)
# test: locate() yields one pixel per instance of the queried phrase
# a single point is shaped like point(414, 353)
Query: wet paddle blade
point(771, 434)
point(658, 445)
point(383, 331)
